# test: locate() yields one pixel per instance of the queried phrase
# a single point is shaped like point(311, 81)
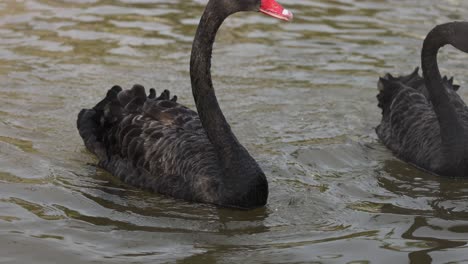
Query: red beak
point(272, 8)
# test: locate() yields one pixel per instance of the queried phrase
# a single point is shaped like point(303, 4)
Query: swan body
point(424, 120)
point(158, 144)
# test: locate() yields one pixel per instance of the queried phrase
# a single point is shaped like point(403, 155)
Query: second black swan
point(157, 144)
point(424, 120)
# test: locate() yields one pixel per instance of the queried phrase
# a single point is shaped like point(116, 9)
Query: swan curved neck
point(211, 116)
point(435, 40)
point(451, 129)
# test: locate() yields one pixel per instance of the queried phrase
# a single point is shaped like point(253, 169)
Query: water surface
point(300, 96)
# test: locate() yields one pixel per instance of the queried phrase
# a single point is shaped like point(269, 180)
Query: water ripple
point(300, 96)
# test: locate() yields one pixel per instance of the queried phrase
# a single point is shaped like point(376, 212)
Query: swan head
point(459, 35)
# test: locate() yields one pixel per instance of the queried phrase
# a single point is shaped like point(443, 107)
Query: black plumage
point(424, 120)
point(152, 143)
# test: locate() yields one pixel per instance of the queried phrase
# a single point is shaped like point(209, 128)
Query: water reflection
point(440, 201)
point(433, 244)
point(445, 197)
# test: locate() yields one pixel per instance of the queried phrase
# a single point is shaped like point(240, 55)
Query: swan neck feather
point(212, 118)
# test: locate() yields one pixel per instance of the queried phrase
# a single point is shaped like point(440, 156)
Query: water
point(300, 96)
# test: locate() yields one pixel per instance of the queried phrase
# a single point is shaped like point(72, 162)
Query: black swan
point(424, 120)
point(157, 144)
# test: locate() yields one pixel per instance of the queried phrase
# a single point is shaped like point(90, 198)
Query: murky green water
point(300, 96)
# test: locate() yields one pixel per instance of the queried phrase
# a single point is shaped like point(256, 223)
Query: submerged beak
point(272, 8)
